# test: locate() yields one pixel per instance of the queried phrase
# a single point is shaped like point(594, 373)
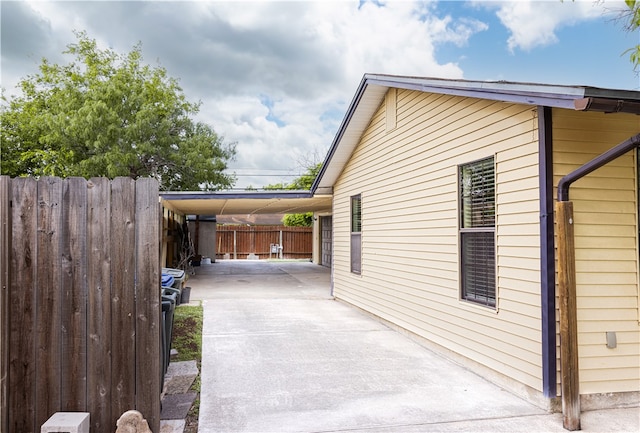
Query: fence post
point(281, 246)
point(5, 248)
point(569, 368)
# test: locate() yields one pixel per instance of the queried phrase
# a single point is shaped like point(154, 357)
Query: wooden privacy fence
point(239, 241)
point(80, 302)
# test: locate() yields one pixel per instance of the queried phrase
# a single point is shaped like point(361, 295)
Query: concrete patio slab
point(280, 355)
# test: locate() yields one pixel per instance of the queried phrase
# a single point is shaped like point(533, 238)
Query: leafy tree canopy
point(298, 219)
point(632, 25)
point(106, 114)
point(303, 182)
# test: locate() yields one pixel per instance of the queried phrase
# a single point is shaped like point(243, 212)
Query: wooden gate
point(80, 301)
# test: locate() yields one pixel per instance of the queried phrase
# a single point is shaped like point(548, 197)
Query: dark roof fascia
point(531, 94)
point(626, 95)
point(343, 126)
point(225, 195)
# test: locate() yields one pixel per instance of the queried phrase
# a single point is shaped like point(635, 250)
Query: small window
point(356, 234)
point(477, 232)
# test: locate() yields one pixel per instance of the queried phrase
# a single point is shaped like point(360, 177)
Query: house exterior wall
point(407, 176)
point(606, 242)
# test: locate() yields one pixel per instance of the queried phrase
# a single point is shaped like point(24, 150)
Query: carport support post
point(570, 378)
point(197, 239)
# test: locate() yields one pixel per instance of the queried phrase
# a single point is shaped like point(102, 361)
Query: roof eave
point(341, 130)
point(554, 96)
point(205, 195)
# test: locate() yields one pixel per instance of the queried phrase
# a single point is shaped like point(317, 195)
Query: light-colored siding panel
point(605, 215)
point(408, 180)
point(519, 251)
point(410, 269)
point(599, 338)
point(613, 325)
point(629, 290)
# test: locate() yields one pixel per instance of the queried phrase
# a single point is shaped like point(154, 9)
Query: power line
point(269, 175)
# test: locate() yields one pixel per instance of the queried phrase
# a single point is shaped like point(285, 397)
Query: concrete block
point(177, 406)
point(70, 422)
point(172, 425)
point(180, 377)
point(252, 257)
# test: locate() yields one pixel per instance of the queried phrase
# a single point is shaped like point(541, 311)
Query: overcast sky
point(277, 77)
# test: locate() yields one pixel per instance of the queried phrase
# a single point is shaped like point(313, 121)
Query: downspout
point(547, 254)
point(570, 378)
point(605, 158)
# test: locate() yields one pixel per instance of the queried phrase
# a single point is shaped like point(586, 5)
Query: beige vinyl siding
point(606, 240)
point(410, 268)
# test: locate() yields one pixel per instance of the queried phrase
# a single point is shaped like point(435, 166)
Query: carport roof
point(245, 202)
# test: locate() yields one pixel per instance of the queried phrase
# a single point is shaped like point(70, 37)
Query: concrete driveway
point(280, 355)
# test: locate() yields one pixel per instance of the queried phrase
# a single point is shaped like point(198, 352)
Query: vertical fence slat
point(22, 373)
point(5, 250)
point(123, 260)
point(74, 289)
point(48, 299)
point(99, 307)
point(148, 307)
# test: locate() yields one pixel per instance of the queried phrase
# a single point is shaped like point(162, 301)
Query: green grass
point(187, 332)
point(187, 340)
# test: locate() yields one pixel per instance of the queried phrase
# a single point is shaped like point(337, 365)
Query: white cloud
point(534, 23)
point(343, 42)
point(306, 57)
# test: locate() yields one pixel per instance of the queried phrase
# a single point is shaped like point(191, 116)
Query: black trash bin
point(169, 299)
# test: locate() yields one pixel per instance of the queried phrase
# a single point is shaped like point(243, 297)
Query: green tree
point(106, 114)
point(303, 182)
point(632, 17)
point(276, 187)
point(298, 219)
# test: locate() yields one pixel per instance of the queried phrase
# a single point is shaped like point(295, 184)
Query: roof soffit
point(221, 203)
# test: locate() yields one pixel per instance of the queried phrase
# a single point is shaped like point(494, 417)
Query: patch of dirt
point(191, 424)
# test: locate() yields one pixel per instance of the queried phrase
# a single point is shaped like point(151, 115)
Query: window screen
point(477, 231)
point(356, 214)
point(356, 234)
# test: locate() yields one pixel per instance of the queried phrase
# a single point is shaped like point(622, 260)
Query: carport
point(245, 202)
point(216, 203)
